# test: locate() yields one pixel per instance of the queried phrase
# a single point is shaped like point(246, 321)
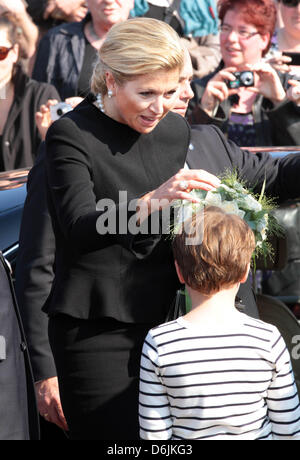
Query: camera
point(245, 78)
point(294, 56)
point(57, 110)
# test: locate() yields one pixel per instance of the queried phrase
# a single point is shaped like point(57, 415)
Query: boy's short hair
point(221, 257)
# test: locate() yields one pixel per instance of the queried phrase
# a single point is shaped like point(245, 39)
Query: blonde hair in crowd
point(137, 47)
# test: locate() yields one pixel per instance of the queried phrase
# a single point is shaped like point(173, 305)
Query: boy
point(216, 373)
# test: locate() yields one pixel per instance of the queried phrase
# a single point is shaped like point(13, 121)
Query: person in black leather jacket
point(255, 115)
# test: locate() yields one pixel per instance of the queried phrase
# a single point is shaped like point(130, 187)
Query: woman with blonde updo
point(116, 153)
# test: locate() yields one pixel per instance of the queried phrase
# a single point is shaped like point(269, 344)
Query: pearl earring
point(109, 93)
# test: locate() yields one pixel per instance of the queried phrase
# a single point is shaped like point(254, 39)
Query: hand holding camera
point(242, 79)
point(260, 78)
point(222, 85)
point(52, 111)
point(293, 92)
point(267, 83)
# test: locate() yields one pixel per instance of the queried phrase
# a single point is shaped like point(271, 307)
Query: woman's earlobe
point(110, 82)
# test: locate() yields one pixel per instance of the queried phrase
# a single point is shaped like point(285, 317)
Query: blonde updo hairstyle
point(136, 47)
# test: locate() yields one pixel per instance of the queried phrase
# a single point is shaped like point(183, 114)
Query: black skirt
point(97, 364)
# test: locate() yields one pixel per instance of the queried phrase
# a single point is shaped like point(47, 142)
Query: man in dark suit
point(18, 412)
point(34, 276)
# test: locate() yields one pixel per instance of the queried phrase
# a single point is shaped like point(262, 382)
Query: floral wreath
point(234, 198)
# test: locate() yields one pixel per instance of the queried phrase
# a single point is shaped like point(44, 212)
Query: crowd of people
point(259, 111)
point(56, 43)
point(159, 107)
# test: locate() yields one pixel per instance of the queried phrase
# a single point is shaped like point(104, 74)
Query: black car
point(12, 197)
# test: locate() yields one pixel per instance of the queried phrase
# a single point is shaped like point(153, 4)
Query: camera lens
point(247, 78)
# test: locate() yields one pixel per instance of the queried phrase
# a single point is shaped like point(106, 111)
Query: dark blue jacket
point(60, 57)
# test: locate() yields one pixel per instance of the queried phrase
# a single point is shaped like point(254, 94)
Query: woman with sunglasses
point(20, 99)
point(259, 112)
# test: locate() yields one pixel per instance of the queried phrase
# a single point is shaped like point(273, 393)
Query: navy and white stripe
point(235, 383)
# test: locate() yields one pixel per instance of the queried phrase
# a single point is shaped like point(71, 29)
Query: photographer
point(253, 112)
point(284, 54)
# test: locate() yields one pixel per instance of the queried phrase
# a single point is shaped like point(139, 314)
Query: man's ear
point(245, 277)
point(265, 39)
point(178, 271)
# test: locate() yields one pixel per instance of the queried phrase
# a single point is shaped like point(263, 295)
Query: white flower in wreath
point(249, 203)
point(231, 207)
point(213, 199)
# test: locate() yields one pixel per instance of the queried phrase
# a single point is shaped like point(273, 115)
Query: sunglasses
point(290, 3)
point(4, 52)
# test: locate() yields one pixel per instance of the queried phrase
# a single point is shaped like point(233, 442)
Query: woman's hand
point(267, 82)
point(293, 93)
point(217, 90)
point(177, 188)
point(43, 117)
point(48, 402)
point(279, 62)
point(12, 6)
point(66, 10)
point(73, 101)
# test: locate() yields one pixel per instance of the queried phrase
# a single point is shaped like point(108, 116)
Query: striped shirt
point(222, 383)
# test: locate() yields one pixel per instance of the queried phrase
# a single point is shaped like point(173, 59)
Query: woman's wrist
point(210, 108)
point(278, 99)
point(144, 205)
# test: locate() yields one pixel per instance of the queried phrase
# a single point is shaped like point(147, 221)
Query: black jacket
point(91, 157)
point(60, 57)
point(274, 126)
point(21, 138)
point(35, 269)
